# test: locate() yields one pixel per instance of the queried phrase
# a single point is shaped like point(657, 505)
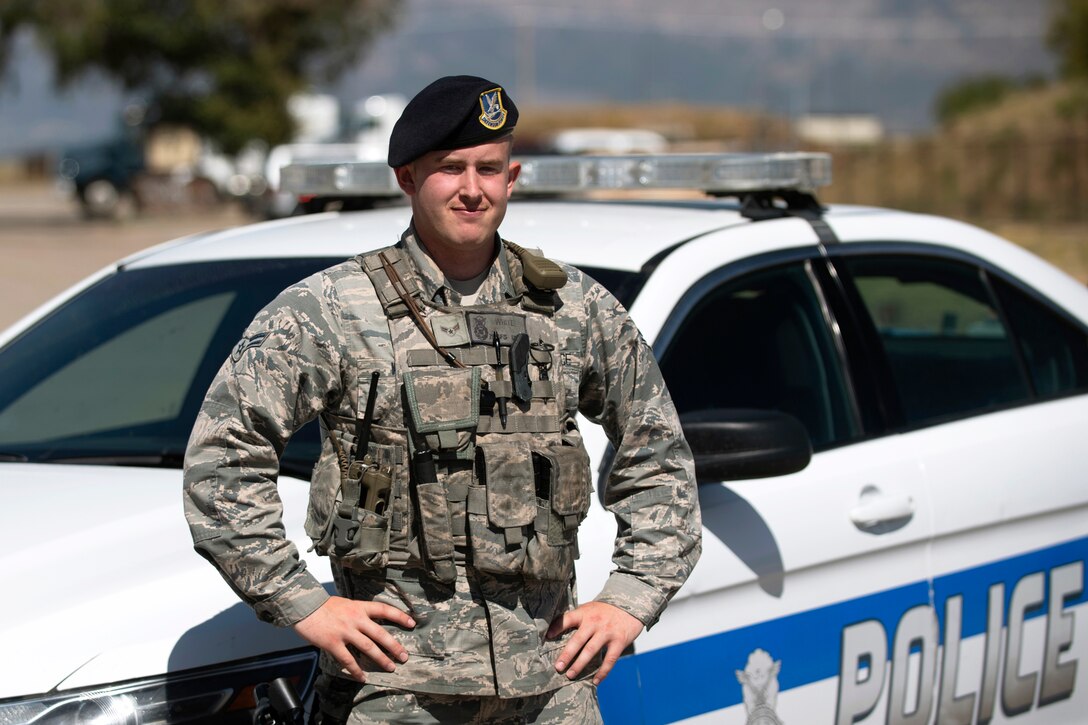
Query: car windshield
point(117, 374)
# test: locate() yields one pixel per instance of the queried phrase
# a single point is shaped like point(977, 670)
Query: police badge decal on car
point(759, 682)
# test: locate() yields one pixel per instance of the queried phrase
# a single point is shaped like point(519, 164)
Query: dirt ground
point(46, 246)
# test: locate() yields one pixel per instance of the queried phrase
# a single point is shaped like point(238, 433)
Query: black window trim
point(866, 372)
point(932, 249)
point(895, 424)
point(811, 258)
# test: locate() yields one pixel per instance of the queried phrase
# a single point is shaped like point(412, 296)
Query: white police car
point(889, 412)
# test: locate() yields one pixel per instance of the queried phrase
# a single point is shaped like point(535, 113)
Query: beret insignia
point(494, 115)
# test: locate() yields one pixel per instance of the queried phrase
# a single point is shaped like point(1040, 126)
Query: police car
point(888, 412)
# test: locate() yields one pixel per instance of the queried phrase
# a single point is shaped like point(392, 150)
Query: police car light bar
point(720, 174)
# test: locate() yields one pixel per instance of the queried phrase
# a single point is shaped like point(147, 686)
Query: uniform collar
point(497, 287)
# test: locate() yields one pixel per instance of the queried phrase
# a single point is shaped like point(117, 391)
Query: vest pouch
point(360, 538)
point(444, 407)
point(498, 530)
point(565, 469)
point(435, 529)
point(357, 536)
point(328, 483)
point(563, 472)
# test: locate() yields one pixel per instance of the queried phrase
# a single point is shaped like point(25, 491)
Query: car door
point(805, 578)
point(989, 381)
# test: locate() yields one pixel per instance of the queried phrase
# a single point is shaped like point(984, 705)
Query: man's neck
point(460, 264)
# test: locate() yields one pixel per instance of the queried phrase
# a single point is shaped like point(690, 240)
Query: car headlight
point(222, 694)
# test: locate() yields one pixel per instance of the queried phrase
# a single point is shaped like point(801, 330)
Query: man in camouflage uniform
point(447, 371)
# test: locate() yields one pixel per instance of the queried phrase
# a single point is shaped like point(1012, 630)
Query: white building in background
point(839, 129)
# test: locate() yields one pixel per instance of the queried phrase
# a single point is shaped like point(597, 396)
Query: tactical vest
point(473, 453)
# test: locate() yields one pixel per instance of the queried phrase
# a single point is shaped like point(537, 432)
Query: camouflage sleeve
point(276, 380)
point(651, 488)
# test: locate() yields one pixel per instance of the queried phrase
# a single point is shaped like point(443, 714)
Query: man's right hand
point(342, 623)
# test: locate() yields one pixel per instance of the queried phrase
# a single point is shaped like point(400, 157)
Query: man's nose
point(470, 184)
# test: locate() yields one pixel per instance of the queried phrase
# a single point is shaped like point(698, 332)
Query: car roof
point(609, 234)
point(620, 235)
point(603, 234)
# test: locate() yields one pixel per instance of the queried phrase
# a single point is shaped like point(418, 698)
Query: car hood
point(101, 582)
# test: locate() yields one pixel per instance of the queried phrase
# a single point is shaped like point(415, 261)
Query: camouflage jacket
point(306, 354)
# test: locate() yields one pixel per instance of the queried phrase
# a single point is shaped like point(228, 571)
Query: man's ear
point(515, 170)
point(405, 179)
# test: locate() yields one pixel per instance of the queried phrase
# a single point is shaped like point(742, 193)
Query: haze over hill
point(887, 57)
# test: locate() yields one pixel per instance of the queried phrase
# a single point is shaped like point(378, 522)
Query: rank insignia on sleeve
point(247, 343)
point(450, 330)
point(494, 115)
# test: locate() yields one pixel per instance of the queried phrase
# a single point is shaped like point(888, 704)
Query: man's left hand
point(597, 626)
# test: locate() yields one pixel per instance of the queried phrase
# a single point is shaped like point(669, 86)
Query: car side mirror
point(731, 444)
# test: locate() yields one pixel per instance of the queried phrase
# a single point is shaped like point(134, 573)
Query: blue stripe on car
point(699, 676)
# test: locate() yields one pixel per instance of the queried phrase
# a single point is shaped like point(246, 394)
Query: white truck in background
point(328, 135)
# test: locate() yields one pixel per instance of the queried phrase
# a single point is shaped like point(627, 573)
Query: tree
point(1068, 36)
point(970, 95)
point(222, 67)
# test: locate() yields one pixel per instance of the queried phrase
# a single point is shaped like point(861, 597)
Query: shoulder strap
point(393, 303)
point(399, 293)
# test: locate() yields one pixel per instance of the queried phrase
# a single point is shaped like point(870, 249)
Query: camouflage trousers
point(365, 704)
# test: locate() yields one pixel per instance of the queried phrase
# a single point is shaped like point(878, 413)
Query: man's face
point(459, 197)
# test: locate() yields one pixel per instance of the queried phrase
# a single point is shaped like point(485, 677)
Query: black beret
point(451, 113)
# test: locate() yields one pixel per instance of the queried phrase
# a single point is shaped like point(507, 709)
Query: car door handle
point(876, 509)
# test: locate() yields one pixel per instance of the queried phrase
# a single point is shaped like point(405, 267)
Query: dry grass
point(1063, 244)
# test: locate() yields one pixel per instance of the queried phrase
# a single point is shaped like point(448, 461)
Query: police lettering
point(916, 692)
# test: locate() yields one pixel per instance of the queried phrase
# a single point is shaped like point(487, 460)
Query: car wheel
point(100, 199)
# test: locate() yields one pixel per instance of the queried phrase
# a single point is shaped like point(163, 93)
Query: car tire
point(100, 199)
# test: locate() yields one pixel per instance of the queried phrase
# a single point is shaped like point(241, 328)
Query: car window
point(760, 341)
point(948, 351)
point(1054, 348)
point(128, 389)
point(118, 373)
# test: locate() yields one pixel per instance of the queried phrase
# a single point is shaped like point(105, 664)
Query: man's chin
point(475, 235)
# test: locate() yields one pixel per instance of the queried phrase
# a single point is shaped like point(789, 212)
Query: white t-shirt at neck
point(468, 288)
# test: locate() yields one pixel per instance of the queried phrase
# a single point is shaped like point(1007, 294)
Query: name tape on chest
point(484, 326)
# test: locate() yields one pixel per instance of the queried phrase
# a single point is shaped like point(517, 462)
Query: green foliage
point(972, 95)
point(222, 67)
point(1068, 36)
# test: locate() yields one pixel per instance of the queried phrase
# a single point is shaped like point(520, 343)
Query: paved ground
point(46, 246)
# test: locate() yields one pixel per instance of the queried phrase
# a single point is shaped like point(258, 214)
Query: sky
point(884, 57)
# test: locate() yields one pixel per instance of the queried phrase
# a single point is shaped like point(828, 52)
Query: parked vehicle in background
point(145, 167)
point(887, 412)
